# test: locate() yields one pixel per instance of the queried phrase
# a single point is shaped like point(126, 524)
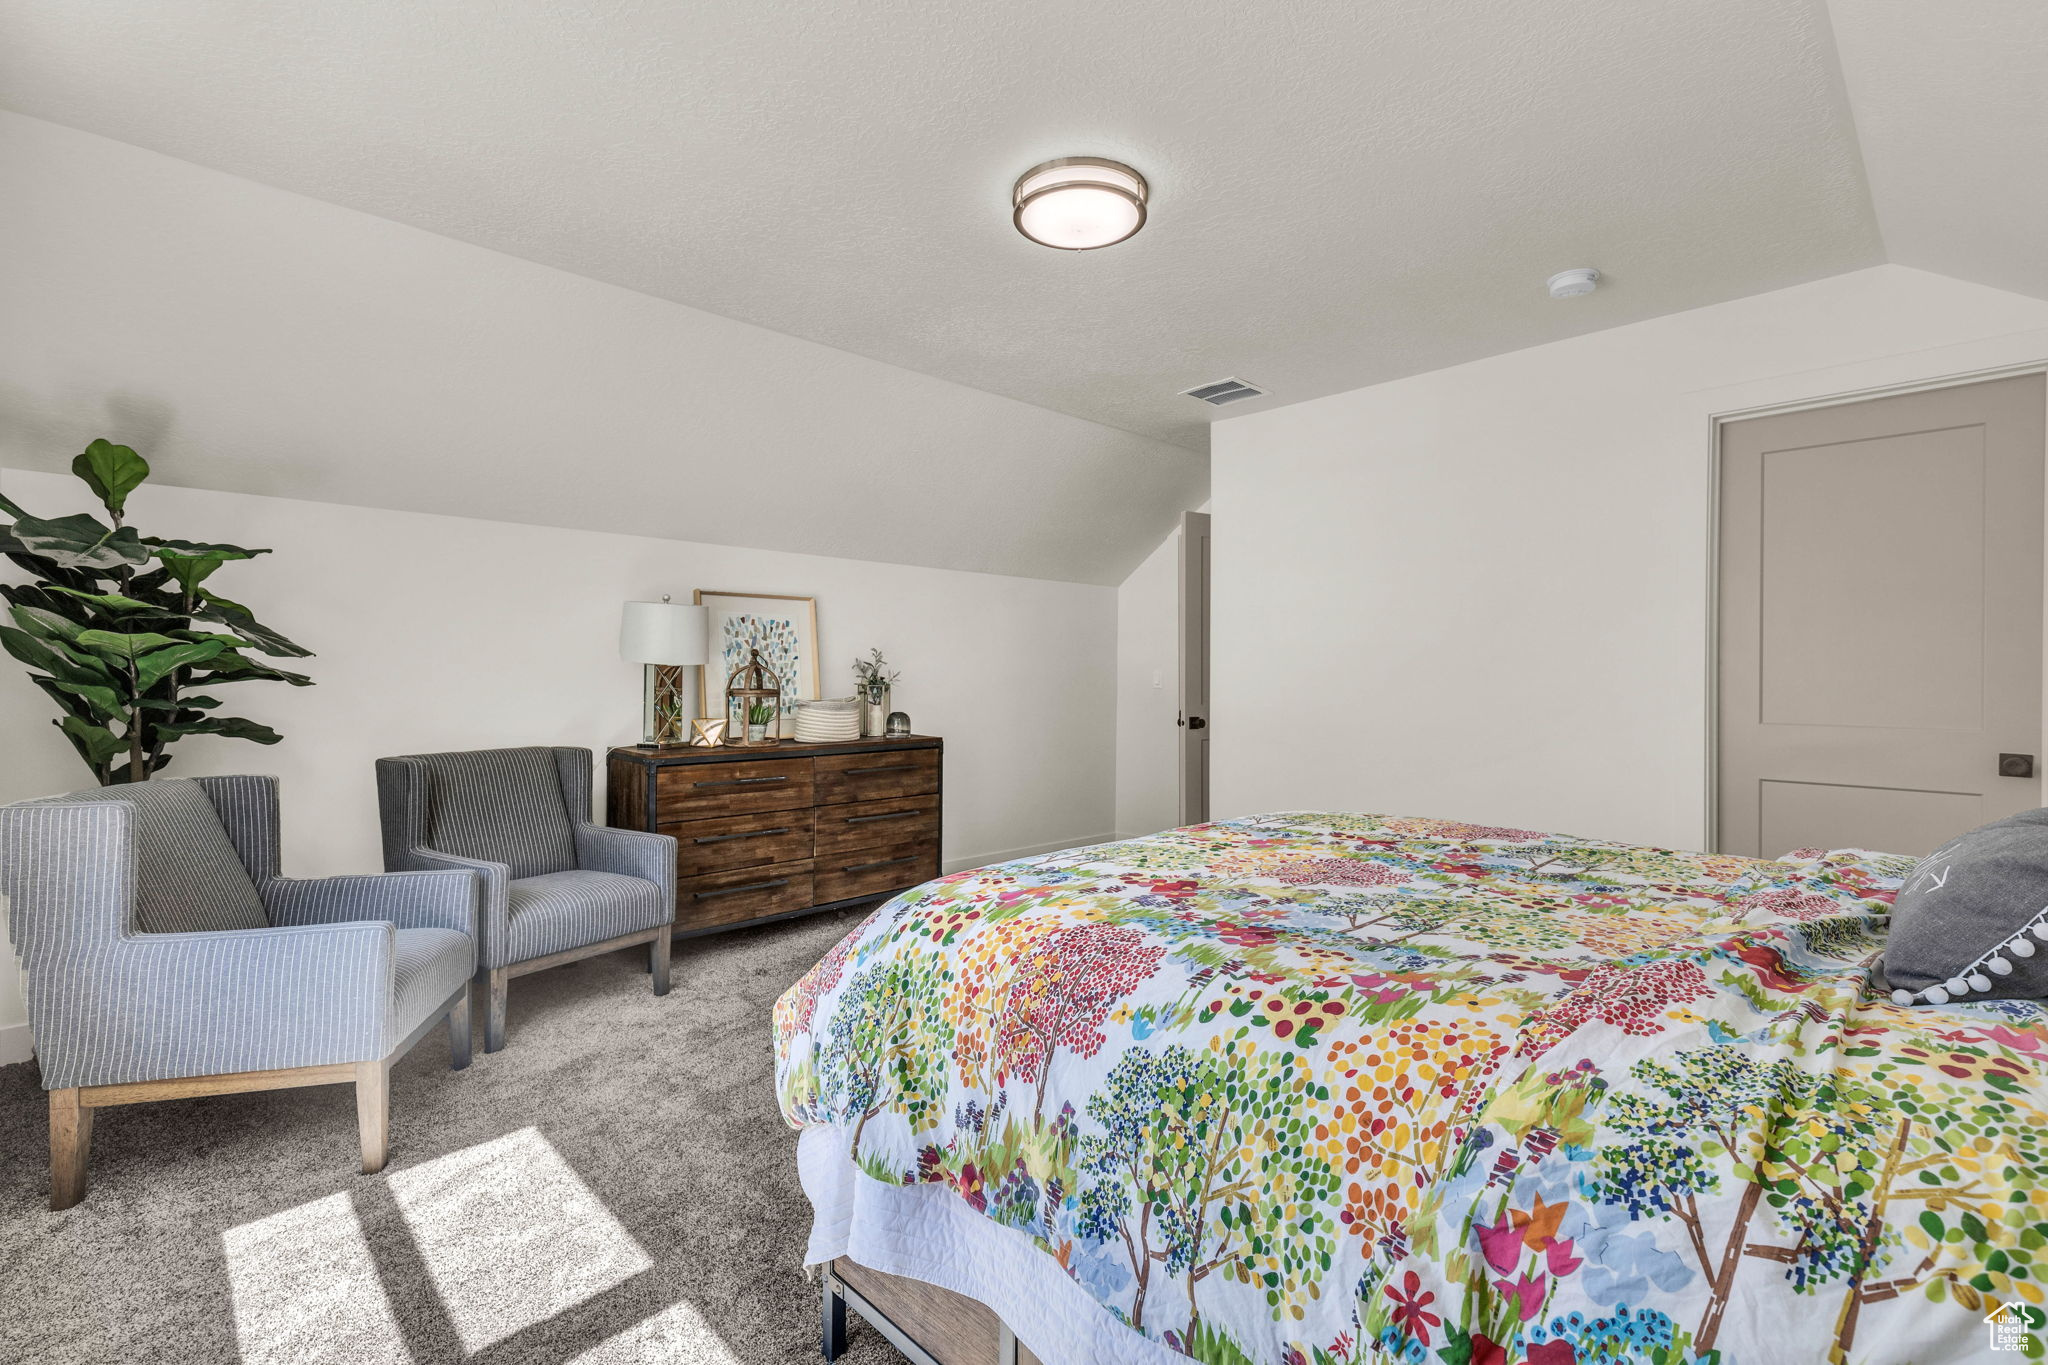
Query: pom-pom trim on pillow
point(1977, 977)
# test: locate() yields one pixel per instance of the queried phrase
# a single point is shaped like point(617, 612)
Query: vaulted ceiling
point(1344, 192)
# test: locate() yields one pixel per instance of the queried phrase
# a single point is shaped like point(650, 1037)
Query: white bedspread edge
point(928, 1233)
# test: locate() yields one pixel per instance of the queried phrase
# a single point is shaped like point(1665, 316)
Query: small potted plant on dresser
point(770, 833)
point(872, 682)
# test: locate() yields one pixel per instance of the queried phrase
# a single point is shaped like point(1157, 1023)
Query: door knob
point(2015, 765)
point(1197, 723)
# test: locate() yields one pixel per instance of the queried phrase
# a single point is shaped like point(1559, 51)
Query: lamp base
point(666, 712)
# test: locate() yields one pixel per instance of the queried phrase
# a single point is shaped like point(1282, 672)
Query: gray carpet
point(615, 1186)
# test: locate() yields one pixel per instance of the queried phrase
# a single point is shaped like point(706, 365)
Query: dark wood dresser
point(768, 833)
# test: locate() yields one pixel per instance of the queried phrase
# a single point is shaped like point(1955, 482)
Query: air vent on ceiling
point(1225, 391)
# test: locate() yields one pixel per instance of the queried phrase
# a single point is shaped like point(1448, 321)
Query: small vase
point(757, 733)
point(874, 713)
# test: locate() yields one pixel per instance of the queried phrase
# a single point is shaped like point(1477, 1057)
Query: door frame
point(1718, 420)
point(1192, 575)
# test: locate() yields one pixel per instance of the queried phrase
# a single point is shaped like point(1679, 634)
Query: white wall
point(447, 633)
point(1492, 580)
point(1148, 693)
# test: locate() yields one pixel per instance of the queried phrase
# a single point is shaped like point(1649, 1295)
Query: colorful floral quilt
point(1308, 1089)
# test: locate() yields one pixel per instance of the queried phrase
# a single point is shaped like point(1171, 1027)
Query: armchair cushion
point(427, 966)
point(564, 910)
point(188, 876)
point(500, 806)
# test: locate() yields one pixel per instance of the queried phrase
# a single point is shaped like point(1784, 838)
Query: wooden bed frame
point(930, 1325)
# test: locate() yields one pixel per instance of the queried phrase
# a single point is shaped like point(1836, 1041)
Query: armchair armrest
point(629, 852)
point(236, 1000)
point(410, 900)
point(492, 890)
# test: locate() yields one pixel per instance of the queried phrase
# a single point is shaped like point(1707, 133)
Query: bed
point(1314, 1089)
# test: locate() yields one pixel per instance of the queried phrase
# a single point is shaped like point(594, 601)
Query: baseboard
point(985, 859)
point(15, 1044)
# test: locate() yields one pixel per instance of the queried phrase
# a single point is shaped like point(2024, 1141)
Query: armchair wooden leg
point(494, 1010)
point(373, 1113)
point(458, 1032)
point(658, 954)
point(70, 1146)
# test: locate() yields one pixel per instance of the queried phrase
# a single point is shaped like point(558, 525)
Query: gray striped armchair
point(167, 958)
point(556, 887)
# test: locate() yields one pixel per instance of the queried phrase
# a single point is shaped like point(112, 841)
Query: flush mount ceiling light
point(1078, 203)
point(1569, 284)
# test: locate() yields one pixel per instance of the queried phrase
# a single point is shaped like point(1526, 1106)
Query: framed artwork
point(784, 629)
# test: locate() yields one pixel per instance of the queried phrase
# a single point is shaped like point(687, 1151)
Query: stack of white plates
point(831, 721)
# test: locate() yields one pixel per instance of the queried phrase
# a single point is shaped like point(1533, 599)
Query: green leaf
point(50, 655)
point(63, 668)
point(75, 542)
point(190, 562)
point(151, 668)
point(30, 650)
point(66, 702)
point(200, 548)
point(238, 618)
point(95, 742)
point(115, 645)
point(112, 472)
point(241, 668)
point(44, 623)
point(176, 704)
point(155, 581)
point(104, 701)
point(110, 601)
point(230, 641)
point(232, 727)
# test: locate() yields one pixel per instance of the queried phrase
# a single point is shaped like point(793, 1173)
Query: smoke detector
point(1569, 284)
point(1225, 391)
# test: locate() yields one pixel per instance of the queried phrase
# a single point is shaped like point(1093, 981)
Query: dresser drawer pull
point(750, 834)
point(736, 890)
point(741, 781)
point(892, 815)
point(892, 768)
point(886, 862)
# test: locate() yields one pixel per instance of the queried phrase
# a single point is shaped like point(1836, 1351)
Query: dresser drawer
point(699, 791)
point(876, 777)
point(772, 836)
point(744, 894)
point(877, 824)
point(871, 871)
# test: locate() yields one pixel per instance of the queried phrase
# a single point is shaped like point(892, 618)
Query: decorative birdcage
point(753, 703)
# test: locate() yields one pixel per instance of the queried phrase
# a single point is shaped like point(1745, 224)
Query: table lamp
point(665, 639)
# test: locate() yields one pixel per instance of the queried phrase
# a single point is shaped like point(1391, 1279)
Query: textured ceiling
point(1951, 104)
point(1344, 192)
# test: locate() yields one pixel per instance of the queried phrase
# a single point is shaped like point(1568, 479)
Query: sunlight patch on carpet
point(305, 1288)
point(512, 1236)
point(677, 1332)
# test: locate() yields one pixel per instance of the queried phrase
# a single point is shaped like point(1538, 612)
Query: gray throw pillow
point(1971, 921)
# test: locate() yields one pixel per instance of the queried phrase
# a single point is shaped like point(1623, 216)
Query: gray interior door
point(1880, 620)
point(1194, 667)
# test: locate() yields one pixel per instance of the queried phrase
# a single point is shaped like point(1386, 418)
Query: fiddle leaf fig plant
point(122, 631)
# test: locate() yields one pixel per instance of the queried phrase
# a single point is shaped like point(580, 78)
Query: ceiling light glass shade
point(1078, 203)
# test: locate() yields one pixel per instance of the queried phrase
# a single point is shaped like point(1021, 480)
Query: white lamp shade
point(663, 633)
